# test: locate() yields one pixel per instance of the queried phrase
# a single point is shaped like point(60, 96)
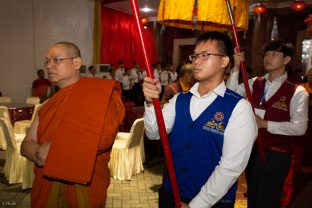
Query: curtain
point(120, 39)
point(97, 32)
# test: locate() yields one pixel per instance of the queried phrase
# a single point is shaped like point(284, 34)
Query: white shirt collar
point(279, 79)
point(220, 90)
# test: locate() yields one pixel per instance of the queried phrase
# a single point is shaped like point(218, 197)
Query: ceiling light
point(146, 9)
point(144, 20)
point(298, 5)
point(260, 9)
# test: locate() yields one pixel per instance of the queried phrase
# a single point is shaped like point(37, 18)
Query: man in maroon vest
point(282, 115)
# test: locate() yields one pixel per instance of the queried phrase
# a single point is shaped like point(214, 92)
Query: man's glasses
point(203, 56)
point(55, 60)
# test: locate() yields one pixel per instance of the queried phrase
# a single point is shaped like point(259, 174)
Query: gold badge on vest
point(281, 104)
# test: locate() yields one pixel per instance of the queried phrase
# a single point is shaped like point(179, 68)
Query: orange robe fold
point(81, 121)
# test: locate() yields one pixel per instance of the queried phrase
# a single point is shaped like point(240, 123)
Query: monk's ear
point(77, 62)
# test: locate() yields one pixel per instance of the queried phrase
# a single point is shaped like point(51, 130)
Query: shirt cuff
point(198, 202)
point(148, 107)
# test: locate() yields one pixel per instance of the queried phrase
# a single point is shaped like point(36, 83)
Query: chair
point(26, 169)
point(5, 100)
point(20, 127)
point(127, 152)
point(28, 173)
point(14, 163)
point(4, 113)
point(33, 100)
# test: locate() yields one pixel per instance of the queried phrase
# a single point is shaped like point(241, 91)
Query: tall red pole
point(159, 116)
point(244, 75)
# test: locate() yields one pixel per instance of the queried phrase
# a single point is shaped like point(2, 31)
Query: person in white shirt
point(92, 72)
point(135, 78)
point(173, 74)
point(126, 84)
point(212, 129)
point(165, 79)
point(157, 71)
point(282, 114)
point(119, 71)
point(143, 74)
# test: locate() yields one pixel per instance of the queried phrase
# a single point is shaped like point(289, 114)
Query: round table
point(19, 111)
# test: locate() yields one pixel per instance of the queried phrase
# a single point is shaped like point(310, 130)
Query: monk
point(70, 139)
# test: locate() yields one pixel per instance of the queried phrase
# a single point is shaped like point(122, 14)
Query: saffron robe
point(81, 121)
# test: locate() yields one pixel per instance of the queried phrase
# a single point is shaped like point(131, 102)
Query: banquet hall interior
point(106, 33)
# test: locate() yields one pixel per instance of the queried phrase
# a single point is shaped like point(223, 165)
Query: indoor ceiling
point(124, 5)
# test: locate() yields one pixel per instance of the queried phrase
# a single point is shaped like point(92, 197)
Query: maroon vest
point(276, 109)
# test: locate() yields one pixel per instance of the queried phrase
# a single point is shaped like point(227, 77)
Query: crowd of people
point(212, 128)
point(131, 79)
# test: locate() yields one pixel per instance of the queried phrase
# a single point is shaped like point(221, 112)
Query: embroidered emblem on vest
point(218, 116)
point(281, 104)
point(215, 125)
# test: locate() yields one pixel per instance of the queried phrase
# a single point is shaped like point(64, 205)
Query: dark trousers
point(126, 95)
point(166, 200)
point(265, 180)
point(135, 92)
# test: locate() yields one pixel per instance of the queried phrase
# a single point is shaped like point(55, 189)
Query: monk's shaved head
point(71, 49)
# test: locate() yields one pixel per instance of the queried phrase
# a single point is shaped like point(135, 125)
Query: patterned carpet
point(241, 200)
point(241, 204)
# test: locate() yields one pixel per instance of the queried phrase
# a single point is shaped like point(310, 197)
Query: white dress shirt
point(157, 73)
point(143, 75)
point(126, 82)
point(164, 78)
point(135, 75)
point(236, 147)
point(119, 74)
point(173, 76)
point(297, 125)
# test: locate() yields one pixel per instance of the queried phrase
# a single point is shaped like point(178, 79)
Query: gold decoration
point(211, 14)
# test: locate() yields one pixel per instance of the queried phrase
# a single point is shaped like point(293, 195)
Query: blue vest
point(196, 146)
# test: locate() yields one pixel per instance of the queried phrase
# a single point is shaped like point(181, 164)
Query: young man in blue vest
point(282, 115)
point(212, 129)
